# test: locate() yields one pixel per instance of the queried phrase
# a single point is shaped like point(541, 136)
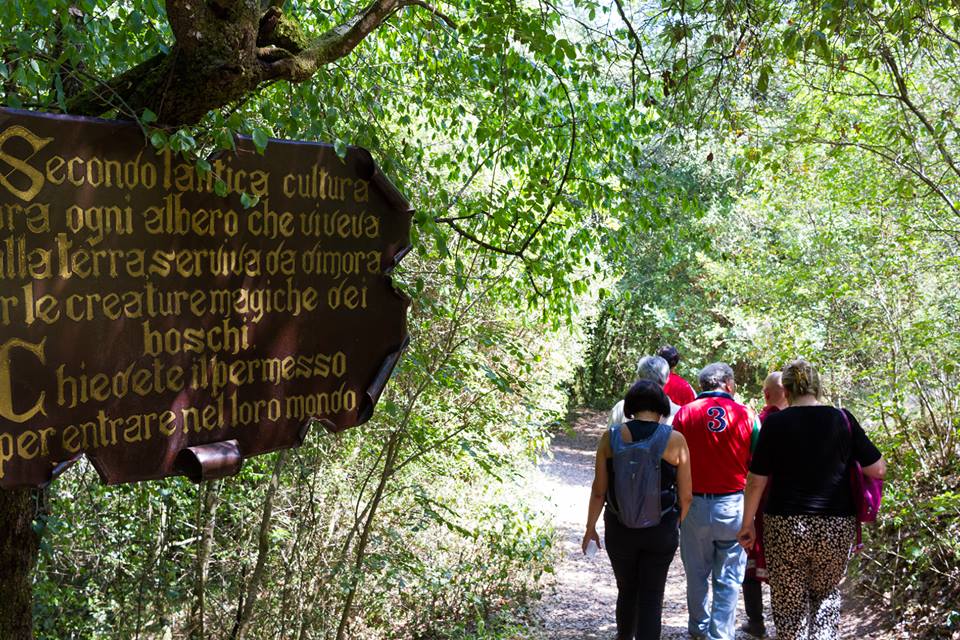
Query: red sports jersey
point(679, 390)
point(718, 430)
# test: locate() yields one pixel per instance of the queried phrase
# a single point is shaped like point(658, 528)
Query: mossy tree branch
point(224, 51)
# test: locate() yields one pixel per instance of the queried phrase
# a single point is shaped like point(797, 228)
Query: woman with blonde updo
point(806, 451)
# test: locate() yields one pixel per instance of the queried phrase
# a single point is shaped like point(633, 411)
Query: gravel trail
point(579, 601)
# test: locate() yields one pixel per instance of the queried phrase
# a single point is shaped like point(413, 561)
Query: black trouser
point(753, 600)
point(640, 559)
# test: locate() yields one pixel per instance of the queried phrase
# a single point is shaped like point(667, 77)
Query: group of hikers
point(708, 474)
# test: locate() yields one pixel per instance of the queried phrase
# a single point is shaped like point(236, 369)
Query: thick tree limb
point(342, 40)
point(18, 556)
point(206, 524)
point(224, 51)
point(281, 31)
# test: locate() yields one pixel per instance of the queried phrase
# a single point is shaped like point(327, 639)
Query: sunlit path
point(578, 604)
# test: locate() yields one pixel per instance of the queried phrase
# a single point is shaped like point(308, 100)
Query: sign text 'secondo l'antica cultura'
point(160, 327)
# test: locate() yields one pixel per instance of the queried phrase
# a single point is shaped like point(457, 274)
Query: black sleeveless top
point(641, 430)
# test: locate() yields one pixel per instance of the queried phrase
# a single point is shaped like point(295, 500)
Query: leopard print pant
point(807, 557)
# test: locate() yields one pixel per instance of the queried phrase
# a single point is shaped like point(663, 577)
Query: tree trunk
point(224, 51)
point(18, 555)
point(206, 524)
point(390, 459)
point(245, 611)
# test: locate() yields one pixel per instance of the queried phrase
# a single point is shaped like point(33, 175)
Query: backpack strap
point(616, 445)
point(662, 435)
point(846, 421)
point(662, 438)
point(616, 438)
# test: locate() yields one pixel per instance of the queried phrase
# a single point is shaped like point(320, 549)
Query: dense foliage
point(822, 223)
point(749, 180)
point(401, 519)
point(408, 527)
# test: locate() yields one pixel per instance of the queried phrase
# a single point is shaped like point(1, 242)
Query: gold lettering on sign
point(149, 302)
point(19, 164)
point(28, 445)
point(96, 172)
point(6, 387)
point(35, 216)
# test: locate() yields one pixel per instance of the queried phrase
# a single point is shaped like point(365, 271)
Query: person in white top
point(654, 369)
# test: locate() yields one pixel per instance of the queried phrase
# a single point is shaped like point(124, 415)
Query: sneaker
point(755, 629)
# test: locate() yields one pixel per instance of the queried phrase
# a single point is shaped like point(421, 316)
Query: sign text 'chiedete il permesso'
point(160, 328)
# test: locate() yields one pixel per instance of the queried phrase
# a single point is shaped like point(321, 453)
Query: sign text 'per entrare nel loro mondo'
point(162, 329)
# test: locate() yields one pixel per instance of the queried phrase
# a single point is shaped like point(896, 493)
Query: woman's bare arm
point(876, 470)
point(751, 502)
point(598, 492)
point(684, 478)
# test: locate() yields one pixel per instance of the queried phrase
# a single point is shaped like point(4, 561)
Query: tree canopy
point(749, 180)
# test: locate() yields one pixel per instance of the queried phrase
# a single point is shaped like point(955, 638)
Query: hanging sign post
point(167, 320)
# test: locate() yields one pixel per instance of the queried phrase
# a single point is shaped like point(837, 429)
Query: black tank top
point(641, 430)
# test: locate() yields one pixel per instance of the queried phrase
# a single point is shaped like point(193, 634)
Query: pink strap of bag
point(867, 492)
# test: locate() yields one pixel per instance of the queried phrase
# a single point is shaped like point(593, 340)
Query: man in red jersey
point(720, 433)
point(775, 399)
point(678, 389)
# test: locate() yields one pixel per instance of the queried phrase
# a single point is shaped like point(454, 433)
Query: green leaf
point(24, 41)
point(818, 40)
point(58, 86)
point(225, 139)
point(248, 201)
point(260, 139)
point(158, 139)
point(764, 80)
point(148, 116)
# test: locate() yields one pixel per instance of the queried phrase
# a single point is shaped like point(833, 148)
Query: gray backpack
point(636, 477)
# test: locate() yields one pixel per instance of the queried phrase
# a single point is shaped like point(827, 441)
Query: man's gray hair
point(714, 375)
point(653, 368)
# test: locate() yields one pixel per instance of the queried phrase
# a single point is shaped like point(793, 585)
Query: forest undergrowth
point(749, 180)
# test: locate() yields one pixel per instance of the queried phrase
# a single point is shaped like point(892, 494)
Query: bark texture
point(18, 555)
point(224, 50)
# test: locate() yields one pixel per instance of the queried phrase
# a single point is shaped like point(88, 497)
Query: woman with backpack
point(806, 451)
point(642, 475)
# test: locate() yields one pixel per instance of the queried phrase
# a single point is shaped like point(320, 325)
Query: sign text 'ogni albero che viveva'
point(161, 329)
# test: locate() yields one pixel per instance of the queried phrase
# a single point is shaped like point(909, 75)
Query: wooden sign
point(160, 328)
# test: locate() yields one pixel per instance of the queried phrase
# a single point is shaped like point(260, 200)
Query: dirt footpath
point(579, 602)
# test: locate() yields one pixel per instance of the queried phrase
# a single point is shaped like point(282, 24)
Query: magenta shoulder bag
point(867, 492)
